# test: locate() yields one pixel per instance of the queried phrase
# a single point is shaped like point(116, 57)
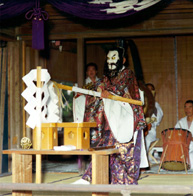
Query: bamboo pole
point(113, 97)
point(123, 99)
point(38, 128)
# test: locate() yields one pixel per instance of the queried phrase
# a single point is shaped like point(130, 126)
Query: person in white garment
point(187, 123)
point(91, 72)
point(156, 118)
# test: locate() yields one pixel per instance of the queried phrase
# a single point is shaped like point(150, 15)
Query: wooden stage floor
point(145, 179)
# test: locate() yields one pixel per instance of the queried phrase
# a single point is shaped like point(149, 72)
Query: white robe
point(183, 124)
point(115, 110)
point(151, 136)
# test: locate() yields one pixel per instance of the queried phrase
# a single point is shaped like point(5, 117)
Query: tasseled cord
point(38, 16)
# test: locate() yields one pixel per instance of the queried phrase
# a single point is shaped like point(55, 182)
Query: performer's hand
point(105, 94)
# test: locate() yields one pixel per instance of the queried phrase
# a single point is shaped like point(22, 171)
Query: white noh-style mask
point(112, 58)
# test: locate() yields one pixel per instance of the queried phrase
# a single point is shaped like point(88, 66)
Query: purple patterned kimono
point(124, 167)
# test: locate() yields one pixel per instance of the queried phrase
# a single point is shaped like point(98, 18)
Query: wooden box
point(78, 134)
point(79, 137)
point(49, 138)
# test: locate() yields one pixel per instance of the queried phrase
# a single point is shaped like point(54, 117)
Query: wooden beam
point(143, 189)
point(7, 38)
point(116, 34)
point(54, 152)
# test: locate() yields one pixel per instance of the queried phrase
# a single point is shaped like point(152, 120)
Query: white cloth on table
point(65, 148)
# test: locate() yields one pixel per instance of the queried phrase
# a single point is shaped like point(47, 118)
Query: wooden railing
point(125, 190)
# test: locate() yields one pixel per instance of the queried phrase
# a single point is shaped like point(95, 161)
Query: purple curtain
point(12, 8)
point(89, 9)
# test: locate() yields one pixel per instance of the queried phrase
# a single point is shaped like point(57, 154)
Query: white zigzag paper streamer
point(48, 99)
point(125, 5)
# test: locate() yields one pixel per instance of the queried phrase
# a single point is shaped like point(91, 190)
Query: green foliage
point(67, 114)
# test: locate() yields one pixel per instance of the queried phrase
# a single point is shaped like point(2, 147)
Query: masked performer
point(119, 124)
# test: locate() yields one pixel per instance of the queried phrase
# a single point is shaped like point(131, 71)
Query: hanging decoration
point(38, 17)
point(102, 9)
point(88, 9)
point(50, 109)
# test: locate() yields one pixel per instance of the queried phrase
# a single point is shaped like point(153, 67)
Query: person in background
point(91, 73)
point(187, 123)
point(156, 118)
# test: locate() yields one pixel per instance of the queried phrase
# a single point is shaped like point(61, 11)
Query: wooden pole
point(23, 86)
point(113, 97)
point(38, 128)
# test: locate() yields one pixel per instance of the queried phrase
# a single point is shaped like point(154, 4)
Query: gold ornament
point(26, 143)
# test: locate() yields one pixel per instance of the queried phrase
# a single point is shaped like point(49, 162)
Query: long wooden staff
point(95, 93)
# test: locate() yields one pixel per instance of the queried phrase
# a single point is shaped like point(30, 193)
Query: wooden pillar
point(2, 101)
point(14, 91)
point(80, 61)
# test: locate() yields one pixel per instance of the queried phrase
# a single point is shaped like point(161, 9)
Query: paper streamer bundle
point(50, 112)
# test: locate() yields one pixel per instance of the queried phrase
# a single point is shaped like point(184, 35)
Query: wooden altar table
point(22, 165)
